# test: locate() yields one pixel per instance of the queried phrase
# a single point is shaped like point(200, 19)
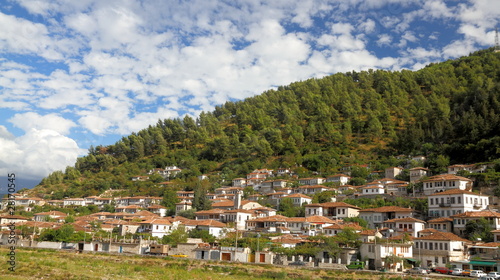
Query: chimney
point(237, 200)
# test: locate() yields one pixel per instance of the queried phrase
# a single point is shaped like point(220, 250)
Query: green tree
point(176, 236)
point(203, 234)
point(479, 230)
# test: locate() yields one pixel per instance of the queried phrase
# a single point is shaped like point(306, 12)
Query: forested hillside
point(449, 112)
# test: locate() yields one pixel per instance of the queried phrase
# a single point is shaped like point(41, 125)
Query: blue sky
point(87, 72)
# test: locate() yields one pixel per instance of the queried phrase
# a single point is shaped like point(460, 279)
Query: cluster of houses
point(395, 235)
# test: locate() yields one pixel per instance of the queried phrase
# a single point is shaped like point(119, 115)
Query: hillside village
point(247, 226)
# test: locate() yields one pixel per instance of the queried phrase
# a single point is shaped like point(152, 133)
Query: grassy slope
point(49, 264)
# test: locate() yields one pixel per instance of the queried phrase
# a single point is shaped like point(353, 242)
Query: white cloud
point(384, 40)
point(27, 121)
point(37, 153)
point(124, 64)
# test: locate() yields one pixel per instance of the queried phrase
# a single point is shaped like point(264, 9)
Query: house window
point(446, 246)
point(430, 246)
point(459, 200)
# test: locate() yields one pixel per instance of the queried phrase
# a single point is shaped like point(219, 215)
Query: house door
point(262, 258)
point(121, 249)
point(96, 247)
point(226, 256)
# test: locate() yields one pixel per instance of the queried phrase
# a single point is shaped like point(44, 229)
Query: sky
point(88, 72)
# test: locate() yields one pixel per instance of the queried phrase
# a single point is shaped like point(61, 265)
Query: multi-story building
point(339, 179)
point(439, 248)
point(441, 183)
point(392, 172)
point(405, 225)
point(332, 210)
point(460, 220)
point(455, 201)
point(376, 216)
point(418, 173)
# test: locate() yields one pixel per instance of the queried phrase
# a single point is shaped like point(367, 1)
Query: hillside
point(449, 112)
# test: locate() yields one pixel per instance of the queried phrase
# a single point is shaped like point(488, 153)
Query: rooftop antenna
point(497, 43)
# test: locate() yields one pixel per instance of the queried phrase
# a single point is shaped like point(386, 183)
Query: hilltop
point(448, 112)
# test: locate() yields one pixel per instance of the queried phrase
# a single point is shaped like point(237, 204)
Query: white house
point(238, 217)
point(417, 173)
point(73, 202)
point(439, 248)
point(376, 216)
point(298, 199)
point(339, 179)
point(454, 169)
point(444, 224)
point(386, 254)
point(311, 181)
point(372, 190)
point(455, 201)
point(54, 215)
point(239, 182)
point(332, 210)
point(460, 220)
point(441, 183)
point(392, 172)
point(312, 189)
point(156, 227)
point(405, 225)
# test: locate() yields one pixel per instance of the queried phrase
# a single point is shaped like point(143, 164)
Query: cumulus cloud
point(36, 153)
point(30, 120)
point(106, 67)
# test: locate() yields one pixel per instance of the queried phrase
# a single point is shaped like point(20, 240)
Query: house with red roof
point(441, 183)
point(338, 179)
point(376, 216)
point(460, 220)
point(455, 201)
point(51, 215)
point(332, 210)
point(407, 225)
point(440, 248)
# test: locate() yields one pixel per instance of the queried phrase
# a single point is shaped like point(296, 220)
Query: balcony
point(477, 206)
point(445, 204)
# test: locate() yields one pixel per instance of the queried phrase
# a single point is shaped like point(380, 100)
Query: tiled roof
point(490, 244)
point(446, 177)
point(52, 213)
point(440, 220)
point(404, 220)
point(354, 226)
point(211, 211)
point(453, 191)
point(275, 218)
point(428, 230)
point(384, 209)
point(369, 232)
point(338, 204)
point(299, 195)
point(319, 219)
point(443, 236)
point(478, 214)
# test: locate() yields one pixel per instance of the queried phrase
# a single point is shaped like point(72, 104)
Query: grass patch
point(59, 265)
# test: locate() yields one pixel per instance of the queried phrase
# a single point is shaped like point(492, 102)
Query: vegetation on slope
point(449, 112)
